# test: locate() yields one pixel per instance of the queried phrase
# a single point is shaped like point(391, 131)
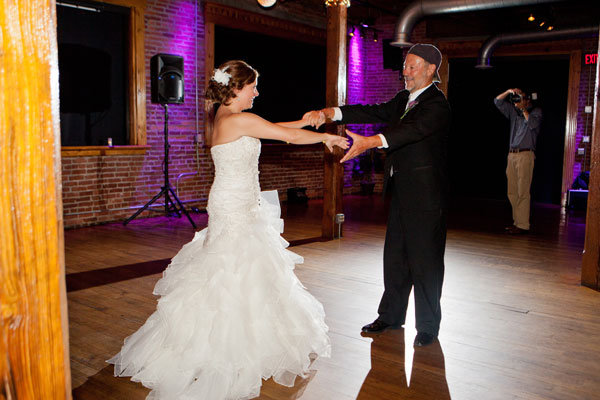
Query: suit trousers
point(413, 257)
point(519, 171)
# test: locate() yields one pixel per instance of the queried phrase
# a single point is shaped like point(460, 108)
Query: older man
point(418, 121)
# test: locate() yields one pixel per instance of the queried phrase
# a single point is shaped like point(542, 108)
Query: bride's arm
point(249, 124)
point(305, 121)
point(293, 124)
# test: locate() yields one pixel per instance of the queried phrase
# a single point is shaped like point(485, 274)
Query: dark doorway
point(478, 143)
point(292, 74)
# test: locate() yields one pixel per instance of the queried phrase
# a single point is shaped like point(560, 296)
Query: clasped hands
point(360, 143)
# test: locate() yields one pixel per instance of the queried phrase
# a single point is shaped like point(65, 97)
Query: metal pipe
point(488, 47)
point(418, 9)
point(181, 176)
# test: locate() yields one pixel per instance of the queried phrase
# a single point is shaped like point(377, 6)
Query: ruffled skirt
point(231, 313)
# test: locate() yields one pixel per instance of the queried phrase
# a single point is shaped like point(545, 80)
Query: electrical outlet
point(586, 139)
point(198, 138)
point(588, 109)
point(580, 151)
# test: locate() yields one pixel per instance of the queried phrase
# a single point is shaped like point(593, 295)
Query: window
point(102, 82)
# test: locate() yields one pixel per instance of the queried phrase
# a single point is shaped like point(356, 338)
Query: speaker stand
point(171, 207)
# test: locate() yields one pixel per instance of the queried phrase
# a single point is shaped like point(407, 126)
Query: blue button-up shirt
point(523, 132)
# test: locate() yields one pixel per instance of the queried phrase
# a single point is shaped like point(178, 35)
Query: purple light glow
point(183, 27)
point(356, 71)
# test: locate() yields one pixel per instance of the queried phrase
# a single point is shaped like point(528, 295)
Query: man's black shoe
point(376, 326)
point(514, 230)
point(423, 339)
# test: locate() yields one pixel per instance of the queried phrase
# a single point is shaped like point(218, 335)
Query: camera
point(514, 98)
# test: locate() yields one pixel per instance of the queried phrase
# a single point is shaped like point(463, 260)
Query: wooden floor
point(516, 322)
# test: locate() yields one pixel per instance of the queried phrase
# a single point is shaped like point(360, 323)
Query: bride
point(232, 312)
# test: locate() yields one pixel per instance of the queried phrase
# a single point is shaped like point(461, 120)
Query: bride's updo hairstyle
point(231, 75)
point(234, 74)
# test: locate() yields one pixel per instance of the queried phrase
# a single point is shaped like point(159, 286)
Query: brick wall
point(100, 189)
point(108, 188)
point(585, 120)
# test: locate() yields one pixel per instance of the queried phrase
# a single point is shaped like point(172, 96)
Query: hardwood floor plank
point(516, 323)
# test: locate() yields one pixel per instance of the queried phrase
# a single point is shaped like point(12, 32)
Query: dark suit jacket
point(417, 145)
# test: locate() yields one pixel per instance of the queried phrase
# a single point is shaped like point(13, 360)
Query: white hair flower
point(221, 77)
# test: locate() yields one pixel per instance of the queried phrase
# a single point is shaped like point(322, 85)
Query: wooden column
point(571, 125)
point(33, 321)
point(444, 72)
point(335, 96)
point(590, 269)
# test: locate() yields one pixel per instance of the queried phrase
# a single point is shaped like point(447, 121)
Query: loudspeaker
point(166, 74)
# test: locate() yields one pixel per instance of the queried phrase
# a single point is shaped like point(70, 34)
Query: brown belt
point(518, 150)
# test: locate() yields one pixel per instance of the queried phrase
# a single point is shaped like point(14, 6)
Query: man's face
point(417, 73)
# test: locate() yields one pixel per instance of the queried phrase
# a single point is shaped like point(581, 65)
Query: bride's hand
point(335, 140)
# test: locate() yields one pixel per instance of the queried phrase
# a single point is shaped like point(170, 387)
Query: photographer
point(525, 121)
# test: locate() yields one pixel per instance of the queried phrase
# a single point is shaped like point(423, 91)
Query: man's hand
point(314, 118)
point(360, 144)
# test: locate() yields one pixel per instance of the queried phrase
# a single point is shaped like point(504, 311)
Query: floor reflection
point(388, 379)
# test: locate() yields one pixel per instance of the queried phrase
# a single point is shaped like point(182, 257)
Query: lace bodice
point(235, 193)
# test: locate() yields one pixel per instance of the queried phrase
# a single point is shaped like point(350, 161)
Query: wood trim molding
point(571, 124)
point(590, 268)
point(83, 151)
point(136, 76)
point(470, 48)
point(236, 18)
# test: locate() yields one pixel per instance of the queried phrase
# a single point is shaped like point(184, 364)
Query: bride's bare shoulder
point(229, 128)
point(241, 118)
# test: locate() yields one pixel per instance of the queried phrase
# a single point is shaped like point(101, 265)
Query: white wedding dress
point(232, 312)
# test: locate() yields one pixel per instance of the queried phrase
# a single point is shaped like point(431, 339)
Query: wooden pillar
point(590, 269)
point(34, 361)
point(335, 96)
point(571, 126)
point(444, 73)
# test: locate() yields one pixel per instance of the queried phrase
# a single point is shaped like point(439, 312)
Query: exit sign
point(591, 58)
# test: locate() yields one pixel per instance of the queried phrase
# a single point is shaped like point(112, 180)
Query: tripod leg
point(138, 212)
point(182, 207)
point(171, 206)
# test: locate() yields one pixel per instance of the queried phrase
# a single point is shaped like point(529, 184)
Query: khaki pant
point(519, 171)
